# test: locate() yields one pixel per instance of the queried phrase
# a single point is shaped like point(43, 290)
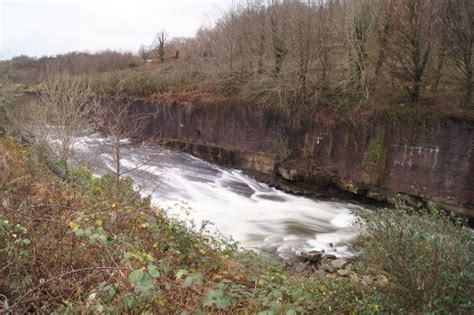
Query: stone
point(367, 280)
point(330, 257)
point(294, 175)
point(381, 280)
point(327, 267)
point(338, 263)
point(319, 272)
point(354, 277)
point(291, 175)
point(314, 256)
point(344, 272)
point(300, 267)
point(284, 173)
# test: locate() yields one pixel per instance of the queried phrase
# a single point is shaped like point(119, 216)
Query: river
point(251, 212)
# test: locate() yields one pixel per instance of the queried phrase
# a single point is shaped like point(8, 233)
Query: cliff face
point(435, 162)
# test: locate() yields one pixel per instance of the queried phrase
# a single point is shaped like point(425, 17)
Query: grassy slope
point(85, 247)
point(92, 246)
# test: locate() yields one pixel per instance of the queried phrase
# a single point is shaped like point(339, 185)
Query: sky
point(50, 27)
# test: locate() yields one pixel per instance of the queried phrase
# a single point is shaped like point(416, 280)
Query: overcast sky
point(49, 27)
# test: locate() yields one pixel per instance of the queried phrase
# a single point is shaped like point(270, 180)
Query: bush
point(428, 258)
point(135, 84)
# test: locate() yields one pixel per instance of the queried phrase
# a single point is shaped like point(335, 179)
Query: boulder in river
point(330, 257)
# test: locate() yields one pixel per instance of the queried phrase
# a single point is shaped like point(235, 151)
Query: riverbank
point(95, 245)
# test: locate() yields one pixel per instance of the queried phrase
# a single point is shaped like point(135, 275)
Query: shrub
point(429, 259)
point(130, 83)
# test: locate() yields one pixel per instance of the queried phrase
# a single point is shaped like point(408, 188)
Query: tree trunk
point(261, 54)
point(279, 48)
point(469, 87)
point(324, 64)
point(117, 161)
point(468, 73)
point(439, 71)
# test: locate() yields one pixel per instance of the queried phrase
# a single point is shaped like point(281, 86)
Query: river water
point(251, 212)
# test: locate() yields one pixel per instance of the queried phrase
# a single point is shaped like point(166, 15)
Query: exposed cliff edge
point(429, 159)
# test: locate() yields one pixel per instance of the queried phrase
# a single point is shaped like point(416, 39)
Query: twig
point(3, 303)
point(59, 277)
point(179, 285)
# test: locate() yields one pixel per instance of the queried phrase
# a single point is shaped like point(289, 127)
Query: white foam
point(251, 212)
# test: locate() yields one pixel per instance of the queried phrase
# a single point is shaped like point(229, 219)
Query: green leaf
point(88, 232)
point(188, 282)
point(277, 294)
point(197, 278)
point(136, 276)
point(103, 239)
point(25, 242)
point(112, 293)
point(209, 299)
point(129, 255)
point(223, 303)
point(181, 273)
point(154, 273)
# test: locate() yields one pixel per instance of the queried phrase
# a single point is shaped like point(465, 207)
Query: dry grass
point(196, 94)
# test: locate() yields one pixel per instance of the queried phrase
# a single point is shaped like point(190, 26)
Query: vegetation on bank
point(349, 56)
point(90, 245)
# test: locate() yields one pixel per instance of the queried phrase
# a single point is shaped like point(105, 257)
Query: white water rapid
point(253, 213)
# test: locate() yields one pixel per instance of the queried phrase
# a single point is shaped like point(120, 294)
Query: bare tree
point(70, 105)
point(303, 41)
point(355, 32)
point(30, 119)
point(142, 51)
point(8, 92)
point(457, 20)
point(325, 41)
point(410, 43)
point(159, 44)
point(278, 26)
point(119, 120)
point(384, 20)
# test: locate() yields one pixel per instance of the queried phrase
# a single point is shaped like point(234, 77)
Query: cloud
point(49, 27)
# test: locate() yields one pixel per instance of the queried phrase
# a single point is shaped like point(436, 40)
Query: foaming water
point(256, 215)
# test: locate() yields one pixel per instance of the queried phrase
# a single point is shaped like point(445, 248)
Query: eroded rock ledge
point(422, 159)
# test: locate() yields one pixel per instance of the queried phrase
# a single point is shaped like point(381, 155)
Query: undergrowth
point(428, 259)
point(87, 247)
